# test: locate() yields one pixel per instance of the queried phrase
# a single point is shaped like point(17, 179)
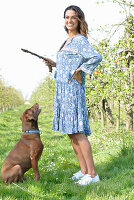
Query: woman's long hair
point(82, 24)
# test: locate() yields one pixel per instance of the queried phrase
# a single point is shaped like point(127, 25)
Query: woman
point(75, 58)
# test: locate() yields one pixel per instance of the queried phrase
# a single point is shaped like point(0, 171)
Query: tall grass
point(113, 155)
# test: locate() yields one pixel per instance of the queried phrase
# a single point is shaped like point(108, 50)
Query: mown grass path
point(113, 158)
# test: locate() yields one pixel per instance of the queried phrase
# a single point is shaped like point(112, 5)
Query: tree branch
point(124, 3)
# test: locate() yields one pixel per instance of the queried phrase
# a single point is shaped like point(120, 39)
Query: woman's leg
point(78, 153)
point(84, 153)
point(87, 153)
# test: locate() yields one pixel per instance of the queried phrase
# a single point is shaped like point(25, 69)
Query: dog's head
point(31, 113)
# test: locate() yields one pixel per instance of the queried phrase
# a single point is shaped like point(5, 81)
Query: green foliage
point(115, 80)
point(44, 94)
point(9, 97)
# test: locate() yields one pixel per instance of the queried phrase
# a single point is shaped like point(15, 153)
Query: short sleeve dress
point(70, 112)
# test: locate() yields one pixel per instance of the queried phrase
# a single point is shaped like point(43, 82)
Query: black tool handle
point(41, 57)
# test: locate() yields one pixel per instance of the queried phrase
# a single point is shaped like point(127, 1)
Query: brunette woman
point(75, 58)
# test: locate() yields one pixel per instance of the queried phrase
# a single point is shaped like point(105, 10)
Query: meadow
point(113, 156)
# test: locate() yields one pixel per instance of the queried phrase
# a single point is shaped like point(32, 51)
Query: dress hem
point(81, 132)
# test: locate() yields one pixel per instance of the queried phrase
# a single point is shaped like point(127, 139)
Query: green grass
point(113, 155)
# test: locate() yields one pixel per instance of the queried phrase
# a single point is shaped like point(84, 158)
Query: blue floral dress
point(70, 111)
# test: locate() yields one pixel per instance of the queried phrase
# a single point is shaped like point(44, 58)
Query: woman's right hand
point(77, 76)
point(50, 62)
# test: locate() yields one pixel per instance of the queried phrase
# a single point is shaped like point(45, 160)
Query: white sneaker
point(87, 179)
point(78, 175)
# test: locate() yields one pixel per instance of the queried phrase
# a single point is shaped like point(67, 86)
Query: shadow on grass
point(116, 177)
point(12, 192)
point(116, 173)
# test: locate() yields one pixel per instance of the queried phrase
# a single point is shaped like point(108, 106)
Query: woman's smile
point(71, 20)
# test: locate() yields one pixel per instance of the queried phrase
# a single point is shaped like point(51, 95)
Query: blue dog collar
point(32, 131)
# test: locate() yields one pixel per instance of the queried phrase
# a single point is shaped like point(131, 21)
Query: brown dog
point(27, 151)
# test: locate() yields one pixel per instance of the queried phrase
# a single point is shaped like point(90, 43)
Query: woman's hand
point(50, 62)
point(77, 76)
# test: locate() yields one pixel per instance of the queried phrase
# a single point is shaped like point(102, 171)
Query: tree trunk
point(108, 114)
point(118, 116)
point(91, 115)
point(129, 122)
point(112, 105)
point(99, 115)
point(129, 108)
point(102, 113)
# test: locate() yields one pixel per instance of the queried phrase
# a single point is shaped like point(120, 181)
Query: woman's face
point(71, 20)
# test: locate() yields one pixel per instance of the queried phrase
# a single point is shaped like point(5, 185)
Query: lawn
point(113, 156)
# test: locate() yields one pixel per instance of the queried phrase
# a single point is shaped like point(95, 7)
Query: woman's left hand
point(76, 76)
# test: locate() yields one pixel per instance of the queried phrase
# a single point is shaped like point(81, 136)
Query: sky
point(38, 25)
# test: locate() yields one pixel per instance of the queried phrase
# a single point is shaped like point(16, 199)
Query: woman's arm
point(77, 76)
point(91, 57)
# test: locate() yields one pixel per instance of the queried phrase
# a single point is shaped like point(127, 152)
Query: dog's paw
point(37, 176)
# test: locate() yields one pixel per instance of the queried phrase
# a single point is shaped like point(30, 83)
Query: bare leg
point(78, 153)
point(84, 152)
